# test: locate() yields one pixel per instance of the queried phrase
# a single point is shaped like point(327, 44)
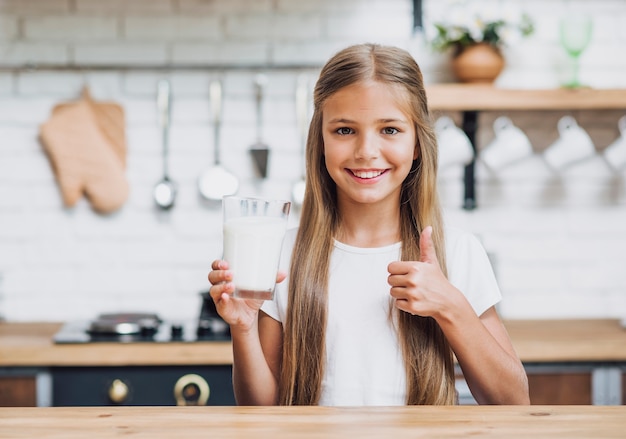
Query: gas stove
point(133, 327)
point(164, 332)
point(141, 385)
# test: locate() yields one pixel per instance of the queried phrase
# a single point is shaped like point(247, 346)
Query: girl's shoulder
point(463, 246)
point(455, 236)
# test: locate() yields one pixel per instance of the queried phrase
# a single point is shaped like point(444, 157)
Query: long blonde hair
point(426, 352)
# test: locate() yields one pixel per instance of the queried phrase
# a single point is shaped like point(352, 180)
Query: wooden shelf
point(465, 97)
point(471, 99)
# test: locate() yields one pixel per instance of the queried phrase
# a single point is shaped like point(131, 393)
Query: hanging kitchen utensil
point(302, 90)
point(260, 151)
point(216, 182)
point(165, 190)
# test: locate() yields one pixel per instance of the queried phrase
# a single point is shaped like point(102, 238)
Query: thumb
point(427, 247)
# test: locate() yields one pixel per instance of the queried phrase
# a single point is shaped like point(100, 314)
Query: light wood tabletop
point(315, 422)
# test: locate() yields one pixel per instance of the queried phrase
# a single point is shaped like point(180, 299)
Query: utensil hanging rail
point(83, 68)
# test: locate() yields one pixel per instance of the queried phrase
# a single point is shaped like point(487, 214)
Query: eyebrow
point(390, 120)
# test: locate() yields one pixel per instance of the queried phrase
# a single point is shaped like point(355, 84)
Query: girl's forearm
point(497, 380)
point(253, 381)
point(490, 366)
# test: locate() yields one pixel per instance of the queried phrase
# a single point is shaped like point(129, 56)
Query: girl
point(376, 304)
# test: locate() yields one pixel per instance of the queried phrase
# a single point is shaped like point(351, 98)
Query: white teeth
point(367, 174)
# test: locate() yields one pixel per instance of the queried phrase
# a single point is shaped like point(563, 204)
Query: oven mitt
point(85, 142)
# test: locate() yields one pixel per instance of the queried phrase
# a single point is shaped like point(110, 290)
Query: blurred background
point(556, 240)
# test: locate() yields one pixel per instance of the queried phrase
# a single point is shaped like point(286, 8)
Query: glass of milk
point(253, 237)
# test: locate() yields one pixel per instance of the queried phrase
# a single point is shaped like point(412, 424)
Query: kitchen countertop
point(536, 341)
point(313, 422)
point(30, 344)
point(574, 340)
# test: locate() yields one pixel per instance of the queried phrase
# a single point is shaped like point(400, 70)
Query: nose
point(366, 147)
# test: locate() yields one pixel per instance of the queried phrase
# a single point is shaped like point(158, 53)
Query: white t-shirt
point(364, 363)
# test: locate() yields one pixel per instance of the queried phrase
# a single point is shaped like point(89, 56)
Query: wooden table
point(315, 422)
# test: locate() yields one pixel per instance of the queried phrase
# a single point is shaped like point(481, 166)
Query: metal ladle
point(164, 192)
point(216, 182)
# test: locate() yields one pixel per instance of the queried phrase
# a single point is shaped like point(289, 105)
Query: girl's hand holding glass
point(234, 311)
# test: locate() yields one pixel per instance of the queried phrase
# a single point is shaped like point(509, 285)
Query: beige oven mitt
point(85, 142)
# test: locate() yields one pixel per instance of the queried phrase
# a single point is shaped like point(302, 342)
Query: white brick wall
point(556, 242)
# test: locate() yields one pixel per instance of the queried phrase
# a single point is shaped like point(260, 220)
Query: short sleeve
point(470, 270)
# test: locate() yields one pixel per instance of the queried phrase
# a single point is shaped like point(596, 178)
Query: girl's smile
point(367, 174)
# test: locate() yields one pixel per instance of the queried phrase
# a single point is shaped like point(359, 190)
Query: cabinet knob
point(191, 389)
point(118, 391)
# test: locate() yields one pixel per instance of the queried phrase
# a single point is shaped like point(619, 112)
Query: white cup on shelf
point(455, 148)
point(615, 153)
point(572, 146)
point(509, 146)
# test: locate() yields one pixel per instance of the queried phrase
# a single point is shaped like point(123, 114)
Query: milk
point(252, 246)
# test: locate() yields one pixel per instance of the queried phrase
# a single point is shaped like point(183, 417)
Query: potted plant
point(476, 38)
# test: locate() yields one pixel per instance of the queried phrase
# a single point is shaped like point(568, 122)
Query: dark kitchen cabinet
point(142, 385)
point(547, 388)
point(560, 388)
point(566, 384)
point(18, 391)
point(577, 384)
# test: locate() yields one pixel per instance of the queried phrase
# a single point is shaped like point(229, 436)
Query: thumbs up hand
point(427, 247)
point(420, 287)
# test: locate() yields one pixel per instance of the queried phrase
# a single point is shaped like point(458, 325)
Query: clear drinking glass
point(575, 34)
point(254, 230)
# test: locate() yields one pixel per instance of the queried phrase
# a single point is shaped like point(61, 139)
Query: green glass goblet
point(575, 34)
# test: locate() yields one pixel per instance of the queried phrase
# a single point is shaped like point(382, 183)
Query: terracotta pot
point(478, 63)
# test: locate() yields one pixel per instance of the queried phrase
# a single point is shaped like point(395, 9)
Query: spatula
point(260, 151)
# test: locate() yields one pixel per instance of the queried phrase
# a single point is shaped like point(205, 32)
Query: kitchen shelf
point(471, 99)
point(466, 97)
